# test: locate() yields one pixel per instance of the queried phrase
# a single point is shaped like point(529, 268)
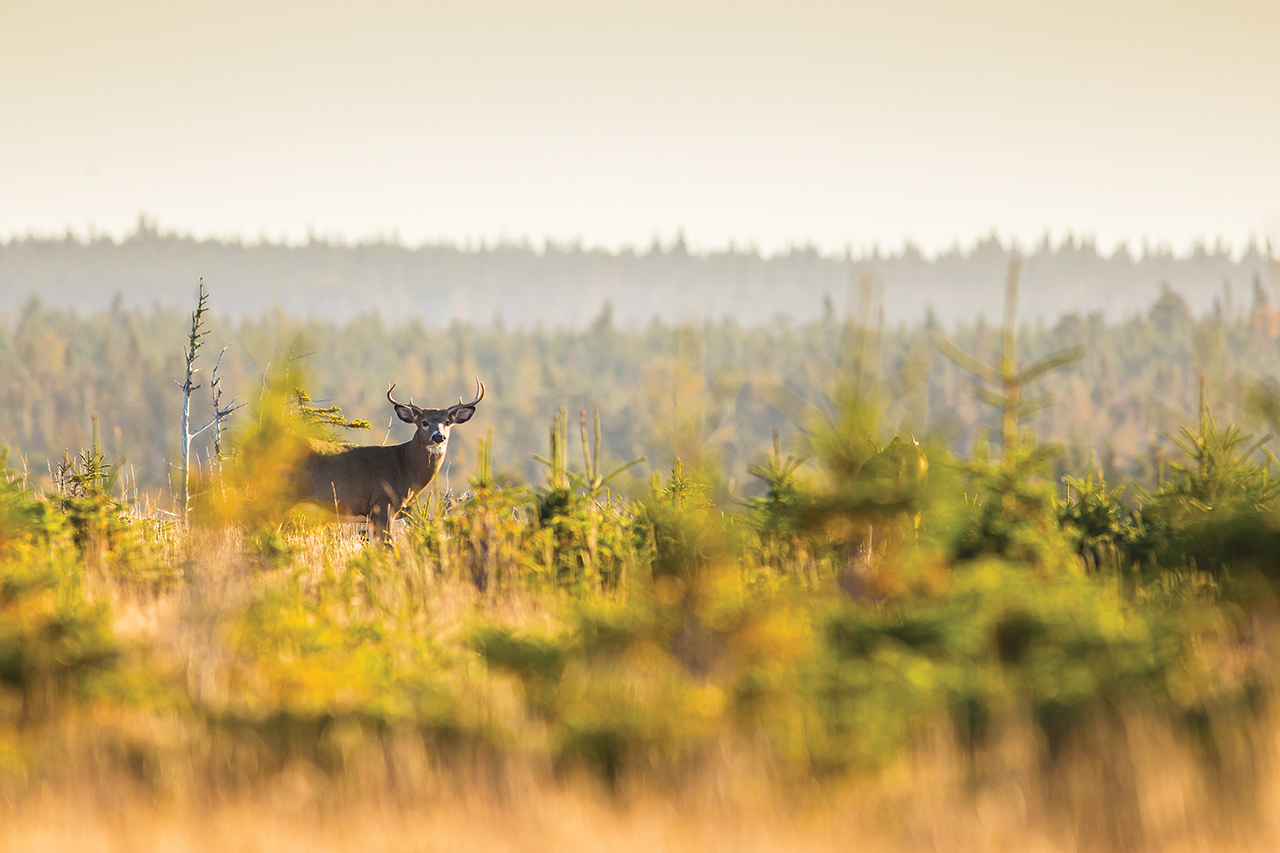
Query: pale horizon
point(840, 127)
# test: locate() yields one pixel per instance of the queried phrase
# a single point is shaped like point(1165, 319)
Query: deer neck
point(422, 462)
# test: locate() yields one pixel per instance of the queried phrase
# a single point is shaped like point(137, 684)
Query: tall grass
point(973, 662)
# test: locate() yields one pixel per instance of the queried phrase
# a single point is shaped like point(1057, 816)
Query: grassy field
point(863, 657)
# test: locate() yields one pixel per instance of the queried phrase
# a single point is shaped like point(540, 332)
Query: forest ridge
point(557, 285)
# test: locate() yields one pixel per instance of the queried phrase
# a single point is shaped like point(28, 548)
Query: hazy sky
point(826, 122)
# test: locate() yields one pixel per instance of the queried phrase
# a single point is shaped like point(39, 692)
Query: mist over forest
point(733, 342)
point(568, 286)
point(712, 392)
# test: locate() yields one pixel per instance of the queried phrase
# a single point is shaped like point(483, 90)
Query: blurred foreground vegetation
point(1083, 664)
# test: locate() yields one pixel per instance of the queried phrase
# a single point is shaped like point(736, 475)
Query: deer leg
point(380, 525)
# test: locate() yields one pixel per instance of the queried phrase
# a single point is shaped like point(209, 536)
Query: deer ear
point(461, 414)
point(405, 414)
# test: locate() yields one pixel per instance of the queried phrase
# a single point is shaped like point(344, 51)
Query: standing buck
point(375, 482)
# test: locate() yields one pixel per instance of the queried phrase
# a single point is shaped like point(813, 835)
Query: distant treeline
point(567, 286)
point(712, 392)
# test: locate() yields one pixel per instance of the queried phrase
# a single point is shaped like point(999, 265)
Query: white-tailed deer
point(375, 482)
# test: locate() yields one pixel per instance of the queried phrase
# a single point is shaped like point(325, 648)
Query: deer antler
point(393, 400)
point(479, 394)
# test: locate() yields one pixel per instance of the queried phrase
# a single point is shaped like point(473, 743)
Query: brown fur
point(375, 482)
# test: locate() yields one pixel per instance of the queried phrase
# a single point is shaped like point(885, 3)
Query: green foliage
point(483, 538)
point(20, 511)
point(591, 482)
point(83, 495)
point(321, 421)
point(643, 639)
point(1215, 510)
point(1001, 639)
point(570, 533)
point(84, 513)
point(602, 713)
point(774, 516)
point(1222, 473)
point(1105, 531)
point(585, 535)
point(1012, 511)
point(313, 655)
point(538, 661)
point(54, 641)
point(843, 439)
point(255, 493)
point(832, 685)
point(686, 535)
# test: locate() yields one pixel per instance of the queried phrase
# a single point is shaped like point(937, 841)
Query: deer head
point(433, 425)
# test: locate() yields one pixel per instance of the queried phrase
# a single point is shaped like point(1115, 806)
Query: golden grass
point(579, 817)
point(1132, 782)
point(1129, 786)
point(553, 822)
